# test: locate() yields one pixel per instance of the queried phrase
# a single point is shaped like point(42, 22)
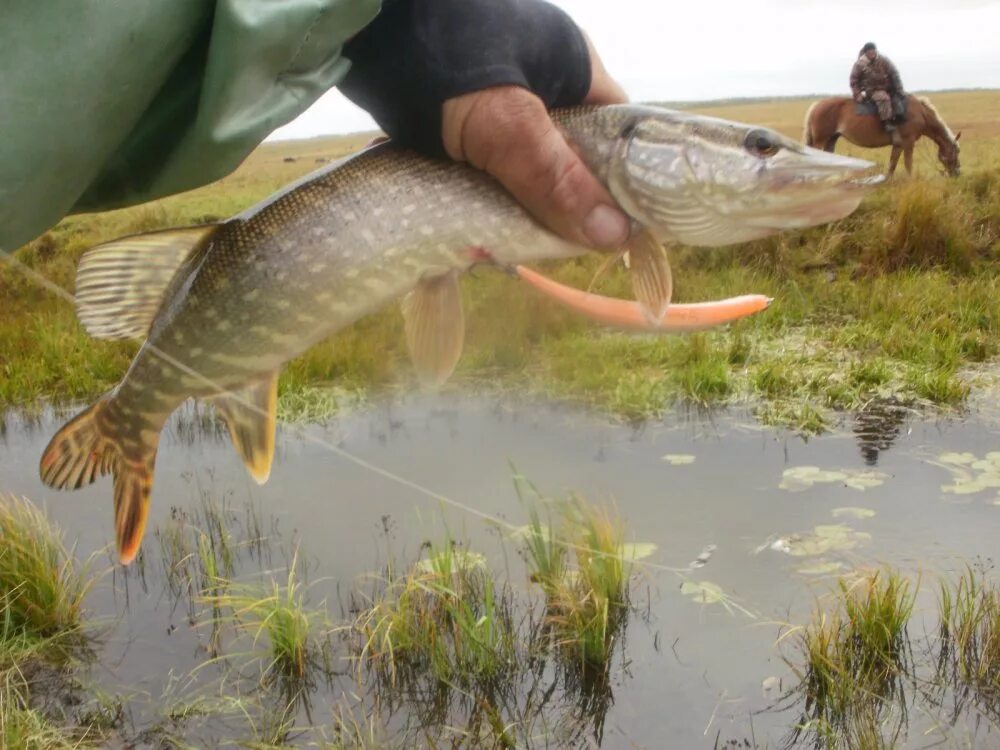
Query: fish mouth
point(812, 167)
point(812, 187)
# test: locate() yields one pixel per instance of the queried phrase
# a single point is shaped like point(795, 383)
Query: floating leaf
point(820, 568)
point(706, 592)
point(801, 478)
point(633, 551)
point(866, 480)
point(970, 474)
point(957, 458)
point(678, 459)
point(852, 512)
point(823, 539)
point(703, 592)
point(967, 487)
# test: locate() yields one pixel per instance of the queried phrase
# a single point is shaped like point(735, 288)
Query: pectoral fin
point(435, 327)
point(651, 278)
point(250, 415)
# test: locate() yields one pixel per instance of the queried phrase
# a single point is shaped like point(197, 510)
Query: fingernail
point(606, 226)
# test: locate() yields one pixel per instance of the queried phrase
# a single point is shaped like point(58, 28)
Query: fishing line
point(51, 286)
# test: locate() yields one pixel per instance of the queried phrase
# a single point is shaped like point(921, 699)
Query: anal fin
point(652, 281)
point(435, 327)
point(250, 414)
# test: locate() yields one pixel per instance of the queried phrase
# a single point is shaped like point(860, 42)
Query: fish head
point(709, 182)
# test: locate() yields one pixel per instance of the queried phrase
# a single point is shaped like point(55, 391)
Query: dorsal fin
point(120, 284)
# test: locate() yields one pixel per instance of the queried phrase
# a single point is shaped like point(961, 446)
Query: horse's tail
point(807, 131)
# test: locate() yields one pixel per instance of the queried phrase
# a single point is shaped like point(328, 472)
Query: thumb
point(507, 132)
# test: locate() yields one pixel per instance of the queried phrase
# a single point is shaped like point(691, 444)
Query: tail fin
point(88, 447)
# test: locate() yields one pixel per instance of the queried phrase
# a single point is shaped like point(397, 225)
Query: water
point(692, 673)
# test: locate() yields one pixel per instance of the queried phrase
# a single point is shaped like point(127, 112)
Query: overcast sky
point(682, 50)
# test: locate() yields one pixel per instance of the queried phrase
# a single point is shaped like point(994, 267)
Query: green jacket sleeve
point(106, 103)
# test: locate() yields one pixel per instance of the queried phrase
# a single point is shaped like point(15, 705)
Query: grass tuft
point(851, 660)
point(446, 618)
point(42, 588)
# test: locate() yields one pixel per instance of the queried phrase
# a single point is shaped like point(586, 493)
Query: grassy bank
point(897, 303)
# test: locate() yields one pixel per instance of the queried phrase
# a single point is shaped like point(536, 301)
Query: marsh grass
point(42, 592)
point(852, 660)
point(462, 648)
point(42, 587)
point(445, 621)
point(289, 638)
point(587, 606)
point(969, 639)
point(201, 549)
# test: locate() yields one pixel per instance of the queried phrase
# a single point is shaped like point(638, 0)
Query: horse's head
point(948, 156)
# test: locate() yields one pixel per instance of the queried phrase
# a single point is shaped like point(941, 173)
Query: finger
point(507, 132)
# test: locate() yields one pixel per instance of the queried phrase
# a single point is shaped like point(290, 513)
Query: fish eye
point(761, 143)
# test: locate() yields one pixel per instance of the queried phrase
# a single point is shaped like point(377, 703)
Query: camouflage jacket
point(875, 75)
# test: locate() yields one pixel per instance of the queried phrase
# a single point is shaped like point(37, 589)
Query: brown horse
point(828, 119)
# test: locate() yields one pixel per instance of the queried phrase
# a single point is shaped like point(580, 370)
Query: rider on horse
point(875, 78)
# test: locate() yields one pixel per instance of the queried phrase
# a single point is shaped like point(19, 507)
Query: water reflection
point(877, 427)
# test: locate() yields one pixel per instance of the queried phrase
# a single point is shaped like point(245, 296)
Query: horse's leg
point(908, 158)
point(894, 159)
point(831, 143)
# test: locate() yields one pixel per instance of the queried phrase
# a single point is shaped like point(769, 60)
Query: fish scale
point(227, 305)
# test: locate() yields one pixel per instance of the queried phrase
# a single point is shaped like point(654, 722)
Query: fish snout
point(812, 165)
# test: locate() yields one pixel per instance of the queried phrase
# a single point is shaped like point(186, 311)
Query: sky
point(690, 50)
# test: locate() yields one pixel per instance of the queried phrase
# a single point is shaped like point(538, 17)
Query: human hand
point(507, 132)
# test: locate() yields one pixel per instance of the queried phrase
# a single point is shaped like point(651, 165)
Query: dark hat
point(868, 46)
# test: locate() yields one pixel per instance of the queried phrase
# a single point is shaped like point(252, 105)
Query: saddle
point(868, 107)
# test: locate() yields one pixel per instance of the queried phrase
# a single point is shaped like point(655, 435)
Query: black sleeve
point(418, 53)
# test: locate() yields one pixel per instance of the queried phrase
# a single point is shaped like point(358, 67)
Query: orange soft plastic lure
point(629, 315)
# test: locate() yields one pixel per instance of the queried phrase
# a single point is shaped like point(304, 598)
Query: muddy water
point(693, 672)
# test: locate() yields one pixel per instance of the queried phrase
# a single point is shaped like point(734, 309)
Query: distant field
point(919, 255)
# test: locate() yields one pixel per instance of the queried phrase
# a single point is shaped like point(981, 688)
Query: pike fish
point(221, 307)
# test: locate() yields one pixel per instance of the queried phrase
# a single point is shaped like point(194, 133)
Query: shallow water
point(692, 673)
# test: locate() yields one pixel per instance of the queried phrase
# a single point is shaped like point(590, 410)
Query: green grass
point(288, 635)
point(851, 660)
point(42, 591)
point(42, 587)
point(970, 636)
point(447, 619)
point(577, 557)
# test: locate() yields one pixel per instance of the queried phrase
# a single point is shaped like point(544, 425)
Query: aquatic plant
point(969, 637)
point(446, 617)
point(277, 615)
point(579, 559)
point(851, 660)
point(201, 548)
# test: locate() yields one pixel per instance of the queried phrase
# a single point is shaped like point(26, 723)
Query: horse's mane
point(932, 110)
